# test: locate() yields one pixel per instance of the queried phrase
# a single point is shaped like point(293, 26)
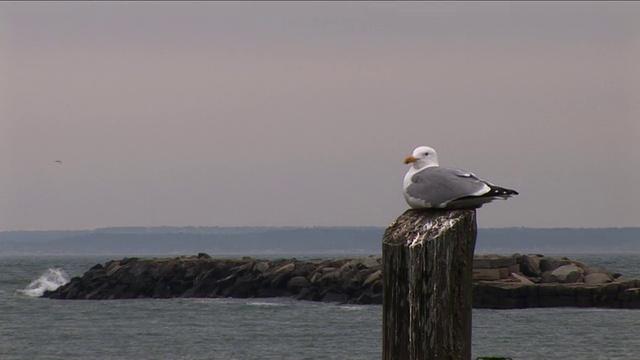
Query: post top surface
point(415, 226)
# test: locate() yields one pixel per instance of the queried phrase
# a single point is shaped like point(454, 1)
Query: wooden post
point(427, 258)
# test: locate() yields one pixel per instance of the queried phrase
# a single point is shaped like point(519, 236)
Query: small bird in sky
point(58, 161)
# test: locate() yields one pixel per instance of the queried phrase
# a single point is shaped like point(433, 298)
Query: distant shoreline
point(300, 240)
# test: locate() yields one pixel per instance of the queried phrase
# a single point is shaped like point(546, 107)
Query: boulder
point(315, 277)
point(328, 269)
point(372, 278)
point(521, 279)
point(244, 267)
point(504, 273)
point(296, 283)
point(548, 264)
point(595, 270)
point(546, 277)
point(486, 274)
point(303, 270)
point(514, 268)
point(362, 275)
point(597, 278)
point(530, 265)
point(370, 262)
point(284, 270)
point(113, 269)
point(566, 274)
point(331, 296)
point(330, 276)
point(370, 298)
point(580, 265)
point(261, 266)
point(308, 293)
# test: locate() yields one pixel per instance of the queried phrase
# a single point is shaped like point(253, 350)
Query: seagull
point(58, 161)
point(429, 185)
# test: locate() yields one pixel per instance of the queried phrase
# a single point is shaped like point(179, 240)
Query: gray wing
point(440, 185)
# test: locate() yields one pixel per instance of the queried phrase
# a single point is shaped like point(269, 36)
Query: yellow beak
point(410, 159)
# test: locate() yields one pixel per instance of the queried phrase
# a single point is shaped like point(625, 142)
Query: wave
point(50, 280)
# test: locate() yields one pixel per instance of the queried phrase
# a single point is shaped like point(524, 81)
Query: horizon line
point(271, 227)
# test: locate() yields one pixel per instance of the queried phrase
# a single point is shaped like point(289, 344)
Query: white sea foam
point(50, 280)
point(258, 303)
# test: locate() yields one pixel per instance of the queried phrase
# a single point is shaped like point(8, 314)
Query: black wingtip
point(498, 191)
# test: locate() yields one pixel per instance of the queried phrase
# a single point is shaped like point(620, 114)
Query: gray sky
point(300, 113)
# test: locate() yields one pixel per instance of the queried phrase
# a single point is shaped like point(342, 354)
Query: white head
point(423, 156)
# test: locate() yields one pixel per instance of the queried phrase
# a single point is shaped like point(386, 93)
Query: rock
point(137, 268)
point(246, 266)
point(161, 291)
point(330, 276)
point(261, 266)
point(597, 278)
point(203, 256)
point(521, 279)
point(113, 269)
point(546, 277)
point(566, 274)
point(486, 274)
point(195, 268)
point(226, 281)
point(328, 269)
point(362, 275)
point(315, 277)
point(370, 262)
point(514, 268)
point(335, 263)
point(580, 265)
point(303, 270)
point(272, 292)
point(504, 273)
point(286, 269)
point(347, 273)
point(530, 265)
point(345, 268)
point(243, 287)
point(372, 278)
point(308, 293)
point(548, 264)
point(369, 298)
point(167, 269)
point(595, 270)
point(97, 267)
point(335, 297)
point(297, 282)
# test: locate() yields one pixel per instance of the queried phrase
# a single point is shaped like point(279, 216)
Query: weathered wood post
point(427, 258)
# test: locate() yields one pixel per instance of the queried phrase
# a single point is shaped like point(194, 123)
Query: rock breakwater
point(527, 281)
point(501, 282)
point(357, 281)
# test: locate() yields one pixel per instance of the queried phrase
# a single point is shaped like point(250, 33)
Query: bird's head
point(422, 156)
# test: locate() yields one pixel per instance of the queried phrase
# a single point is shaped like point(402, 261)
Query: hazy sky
point(300, 113)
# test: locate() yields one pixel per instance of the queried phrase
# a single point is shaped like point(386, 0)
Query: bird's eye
point(426, 154)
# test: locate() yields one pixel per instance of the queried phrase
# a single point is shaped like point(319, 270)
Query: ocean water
point(35, 328)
